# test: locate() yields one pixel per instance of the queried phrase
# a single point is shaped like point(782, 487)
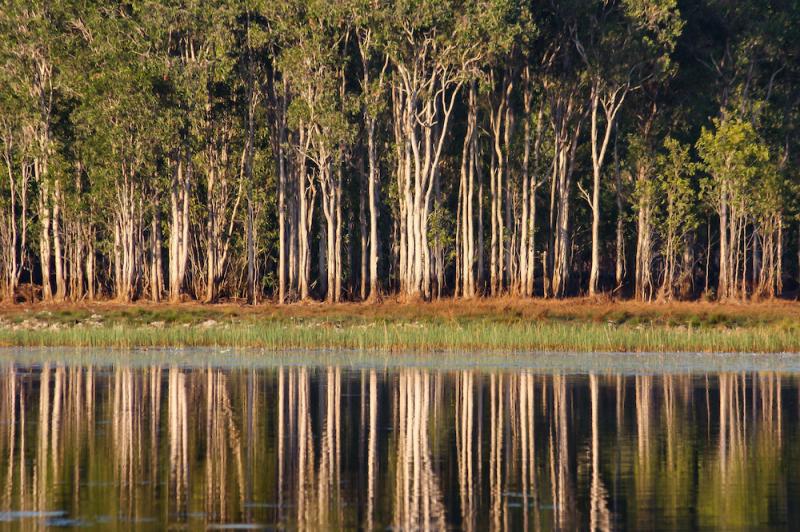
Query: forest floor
point(502, 324)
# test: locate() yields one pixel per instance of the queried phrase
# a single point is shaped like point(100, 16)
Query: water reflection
point(411, 449)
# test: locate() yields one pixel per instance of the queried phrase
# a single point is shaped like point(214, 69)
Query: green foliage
point(675, 188)
point(736, 160)
point(442, 230)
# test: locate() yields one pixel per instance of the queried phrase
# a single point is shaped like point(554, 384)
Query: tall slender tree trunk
point(58, 248)
point(283, 247)
point(523, 286)
point(374, 209)
point(156, 279)
point(179, 226)
point(724, 254)
point(619, 248)
point(362, 232)
point(599, 145)
point(44, 235)
point(467, 192)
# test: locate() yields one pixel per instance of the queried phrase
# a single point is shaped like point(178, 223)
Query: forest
point(349, 150)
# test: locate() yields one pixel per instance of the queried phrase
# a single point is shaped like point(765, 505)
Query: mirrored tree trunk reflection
point(314, 448)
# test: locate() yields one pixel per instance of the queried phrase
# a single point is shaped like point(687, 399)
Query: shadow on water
point(345, 441)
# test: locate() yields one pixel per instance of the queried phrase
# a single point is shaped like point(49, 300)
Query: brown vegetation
point(496, 309)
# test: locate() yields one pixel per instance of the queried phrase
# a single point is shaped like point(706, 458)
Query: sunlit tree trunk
point(180, 187)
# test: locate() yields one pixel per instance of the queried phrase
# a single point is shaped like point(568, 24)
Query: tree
point(627, 43)
point(679, 219)
point(736, 160)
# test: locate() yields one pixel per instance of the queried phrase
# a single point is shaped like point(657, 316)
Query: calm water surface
point(336, 442)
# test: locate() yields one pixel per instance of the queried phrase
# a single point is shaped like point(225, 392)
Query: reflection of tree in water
point(746, 466)
point(315, 476)
point(178, 442)
point(135, 415)
point(600, 518)
point(417, 496)
point(465, 441)
point(223, 446)
point(412, 449)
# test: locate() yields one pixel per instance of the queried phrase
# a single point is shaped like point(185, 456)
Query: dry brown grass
point(580, 309)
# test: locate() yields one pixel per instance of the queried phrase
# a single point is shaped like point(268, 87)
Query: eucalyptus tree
point(15, 144)
point(31, 34)
point(116, 125)
point(291, 190)
point(314, 67)
point(563, 88)
point(505, 29)
point(675, 175)
point(736, 161)
point(222, 148)
point(623, 44)
point(641, 165)
point(219, 136)
point(430, 48)
point(252, 41)
point(367, 26)
point(181, 49)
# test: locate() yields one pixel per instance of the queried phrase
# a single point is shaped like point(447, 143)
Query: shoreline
point(506, 325)
point(541, 362)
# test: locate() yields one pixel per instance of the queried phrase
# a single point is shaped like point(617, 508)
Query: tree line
point(352, 149)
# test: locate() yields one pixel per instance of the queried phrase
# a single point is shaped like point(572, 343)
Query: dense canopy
point(349, 149)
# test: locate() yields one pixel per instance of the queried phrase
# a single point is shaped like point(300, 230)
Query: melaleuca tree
point(678, 217)
point(117, 126)
point(623, 45)
point(15, 206)
point(314, 67)
point(431, 50)
point(736, 161)
point(31, 61)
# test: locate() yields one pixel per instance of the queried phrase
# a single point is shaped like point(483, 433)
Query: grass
point(497, 325)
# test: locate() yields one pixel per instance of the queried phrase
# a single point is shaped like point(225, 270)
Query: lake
point(239, 440)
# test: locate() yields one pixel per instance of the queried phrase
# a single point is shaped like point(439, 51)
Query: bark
point(374, 209)
point(500, 121)
point(127, 231)
point(306, 188)
point(610, 102)
point(44, 234)
point(362, 226)
point(562, 257)
point(619, 248)
point(16, 230)
point(330, 187)
point(644, 250)
point(371, 96)
point(156, 267)
point(58, 248)
point(530, 184)
point(180, 188)
point(425, 94)
point(90, 264)
point(467, 199)
point(223, 206)
point(279, 136)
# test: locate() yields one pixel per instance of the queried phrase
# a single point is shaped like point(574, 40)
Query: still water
point(213, 440)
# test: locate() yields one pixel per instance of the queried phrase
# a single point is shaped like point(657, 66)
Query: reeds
point(431, 335)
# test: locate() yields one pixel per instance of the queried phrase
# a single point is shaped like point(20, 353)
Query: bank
point(505, 324)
